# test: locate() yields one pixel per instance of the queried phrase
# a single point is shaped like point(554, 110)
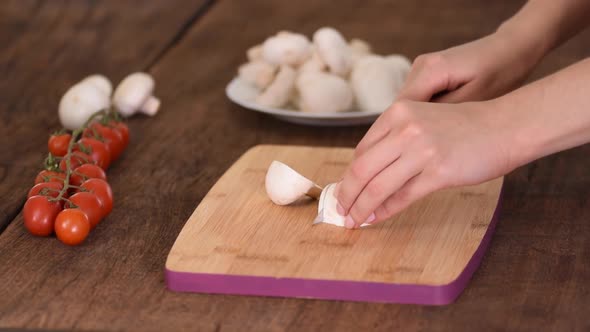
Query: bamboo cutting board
point(238, 242)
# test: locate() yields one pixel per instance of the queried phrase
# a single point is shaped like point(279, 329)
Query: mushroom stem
point(151, 106)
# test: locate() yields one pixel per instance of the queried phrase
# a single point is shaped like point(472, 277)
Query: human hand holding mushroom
point(324, 75)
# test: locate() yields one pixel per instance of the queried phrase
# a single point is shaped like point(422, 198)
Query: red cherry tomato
point(50, 176)
point(101, 189)
point(85, 172)
point(76, 159)
point(98, 151)
point(50, 189)
point(39, 215)
point(58, 144)
point(89, 204)
point(72, 226)
point(111, 137)
point(122, 128)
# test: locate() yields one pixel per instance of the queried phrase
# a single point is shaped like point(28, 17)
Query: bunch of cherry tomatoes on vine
point(71, 195)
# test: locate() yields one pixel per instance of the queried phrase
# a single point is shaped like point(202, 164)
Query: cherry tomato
point(101, 189)
point(111, 137)
point(50, 189)
point(76, 159)
point(50, 176)
point(89, 204)
point(39, 214)
point(58, 144)
point(72, 226)
point(85, 172)
point(123, 130)
point(98, 151)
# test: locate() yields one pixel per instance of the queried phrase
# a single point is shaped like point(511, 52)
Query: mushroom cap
point(334, 50)
point(100, 82)
point(321, 92)
point(286, 48)
point(80, 102)
point(313, 63)
point(257, 73)
point(284, 185)
point(401, 64)
point(132, 92)
point(375, 83)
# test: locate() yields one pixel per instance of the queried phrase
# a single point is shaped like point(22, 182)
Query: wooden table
point(534, 277)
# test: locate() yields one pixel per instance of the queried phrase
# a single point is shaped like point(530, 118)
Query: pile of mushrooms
point(324, 75)
point(93, 94)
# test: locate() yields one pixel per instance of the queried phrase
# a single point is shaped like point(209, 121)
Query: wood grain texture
point(237, 230)
point(47, 46)
point(534, 277)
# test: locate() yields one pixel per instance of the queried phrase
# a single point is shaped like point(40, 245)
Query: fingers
point(427, 77)
point(413, 190)
point(377, 132)
point(382, 186)
point(364, 168)
point(468, 92)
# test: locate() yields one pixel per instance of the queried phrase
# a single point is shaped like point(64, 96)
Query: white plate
point(244, 95)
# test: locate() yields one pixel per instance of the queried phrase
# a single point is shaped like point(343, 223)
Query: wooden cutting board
point(238, 242)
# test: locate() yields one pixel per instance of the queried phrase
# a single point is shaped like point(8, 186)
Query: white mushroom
point(134, 94)
point(359, 46)
point(334, 50)
point(257, 73)
point(402, 64)
point(254, 53)
point(375, 82)
point(101, 82)
point(359, 49)
point(321, 92)
point(284, 185)
point(314, 63)
point(82, 100)
point(280, 91)
point(286, 48)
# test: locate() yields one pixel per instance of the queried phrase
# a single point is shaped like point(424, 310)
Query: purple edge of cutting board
point(334, 289)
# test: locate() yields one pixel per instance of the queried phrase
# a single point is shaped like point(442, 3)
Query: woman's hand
point(479, 70)
point(415, 148)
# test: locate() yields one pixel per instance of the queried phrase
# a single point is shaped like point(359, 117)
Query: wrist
point(510, 132)
point(528, 42)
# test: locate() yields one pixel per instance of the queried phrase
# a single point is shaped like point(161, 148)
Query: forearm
point(546, 116)
point(542, 25)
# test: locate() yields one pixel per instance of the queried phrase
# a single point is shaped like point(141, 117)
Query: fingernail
point(349, 222)
point(340, 210)
point(371, 218)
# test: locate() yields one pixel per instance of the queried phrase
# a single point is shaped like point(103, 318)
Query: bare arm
point(496, 64)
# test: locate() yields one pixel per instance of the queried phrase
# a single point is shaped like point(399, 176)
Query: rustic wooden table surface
point(535, 275)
